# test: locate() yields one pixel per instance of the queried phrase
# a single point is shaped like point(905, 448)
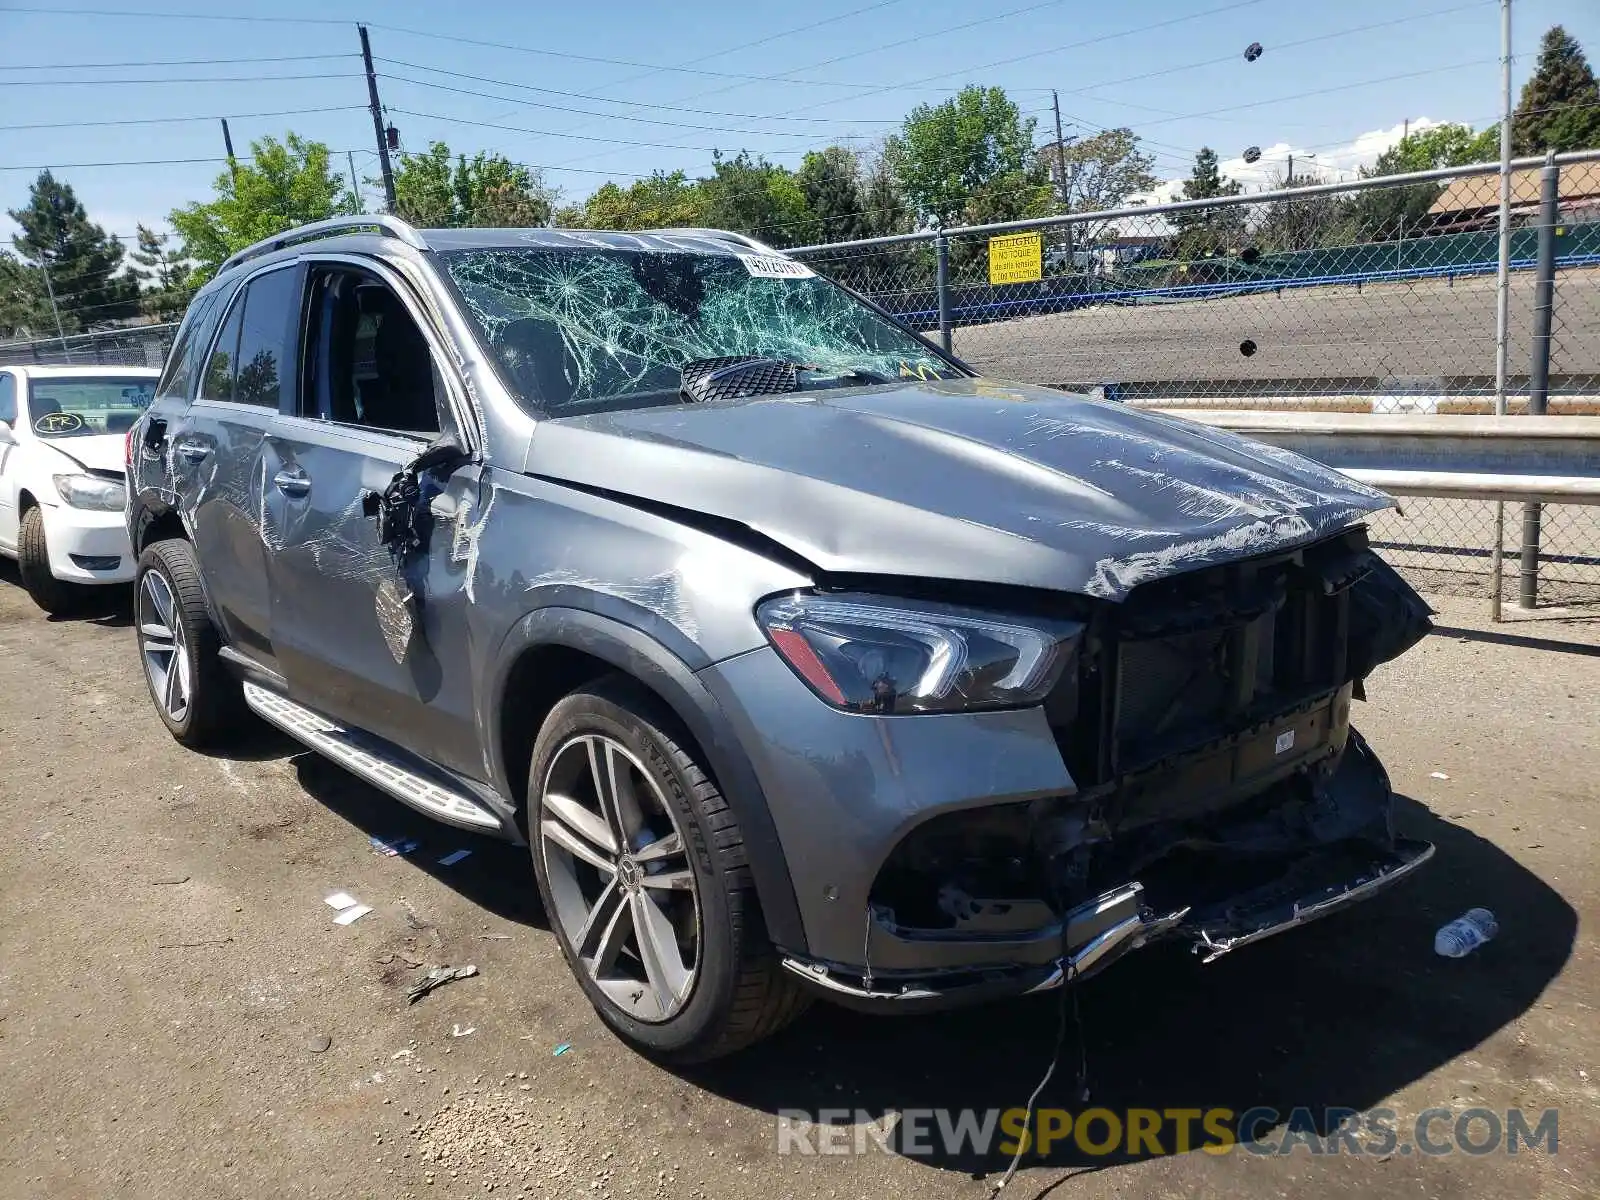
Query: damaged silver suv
point(805, 661)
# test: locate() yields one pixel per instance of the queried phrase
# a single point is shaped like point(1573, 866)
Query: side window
point(366, 361)
point(183, 361)
point(8, 397)
point(217, 382)
point(269, 306)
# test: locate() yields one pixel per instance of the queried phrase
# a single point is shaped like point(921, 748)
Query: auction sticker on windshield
point(774, 266)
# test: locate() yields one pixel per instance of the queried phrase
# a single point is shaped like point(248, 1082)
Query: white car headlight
point(92, 492)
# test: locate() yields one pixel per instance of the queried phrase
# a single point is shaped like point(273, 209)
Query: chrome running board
point(355, 754)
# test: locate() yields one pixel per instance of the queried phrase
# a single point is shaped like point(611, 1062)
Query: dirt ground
point(180, 1017)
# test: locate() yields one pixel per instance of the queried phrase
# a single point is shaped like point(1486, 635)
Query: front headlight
point(869, 654)
point(90, 491)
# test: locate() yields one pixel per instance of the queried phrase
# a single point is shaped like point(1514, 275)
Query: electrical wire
point(172, 16)
point(168, 62)
point(704, 112)
point(13, 83)
point(285, 112)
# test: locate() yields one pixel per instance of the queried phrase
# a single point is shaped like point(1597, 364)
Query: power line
point(587, 137)
point(172, 16)
point(145, 162)
point(593, 58)
point(167, 62)
point(186, 79)
point(285, 112)
point(704, 112)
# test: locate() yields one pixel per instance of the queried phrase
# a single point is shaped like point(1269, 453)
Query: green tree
point(1203, 232)
point(284, 184)
point(487, 190)
point(1105, 169)
point(970, 156)
point(1311, 223)
point(663, 201)
point(884, 205)
point(1380, 214)
point(163, 275)
point(830, 181)
point(754, 196)
point(1560, 105)
point(84, 263)
point(24, 310)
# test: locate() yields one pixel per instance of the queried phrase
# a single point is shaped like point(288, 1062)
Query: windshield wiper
point(736, 376)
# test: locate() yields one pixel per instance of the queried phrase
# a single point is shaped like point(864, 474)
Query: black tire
point(33, 564)
point(741, 993)
point(215, 708)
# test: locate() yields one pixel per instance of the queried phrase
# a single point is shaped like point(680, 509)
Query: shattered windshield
point(572, 328)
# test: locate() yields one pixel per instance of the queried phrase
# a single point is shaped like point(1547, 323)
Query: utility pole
point(1061, 156)
point(1290, 180)
point(233, 165)
point(1062, 181)
point(44, 269)
point(377, 123)
point(355, 188)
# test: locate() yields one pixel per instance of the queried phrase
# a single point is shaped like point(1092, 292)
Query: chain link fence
point(138, 346)
point(1378, 295)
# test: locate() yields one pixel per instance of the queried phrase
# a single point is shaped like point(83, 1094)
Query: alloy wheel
point(161, 645)
point(619, 877)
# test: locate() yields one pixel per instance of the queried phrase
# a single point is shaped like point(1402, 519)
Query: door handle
point(292, 482)
point(193, 451)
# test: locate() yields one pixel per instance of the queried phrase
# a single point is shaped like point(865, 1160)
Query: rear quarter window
point(189, 347)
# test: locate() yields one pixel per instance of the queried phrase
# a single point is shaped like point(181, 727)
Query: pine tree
point(84, 264)
point(163, 273)
point(1560, 105)
point(1203, 232)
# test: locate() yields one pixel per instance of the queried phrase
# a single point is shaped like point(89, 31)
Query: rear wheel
point(195, 697)
point(33, 564)
point(642, 871)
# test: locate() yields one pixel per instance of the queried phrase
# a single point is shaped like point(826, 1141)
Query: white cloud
point(1332, 164)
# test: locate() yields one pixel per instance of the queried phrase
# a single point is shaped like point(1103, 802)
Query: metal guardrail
point(1530, 461)
point(1549, 459)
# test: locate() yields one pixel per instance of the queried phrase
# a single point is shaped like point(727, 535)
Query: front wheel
point(642, 871)
point(195, 697)
point(33, 564)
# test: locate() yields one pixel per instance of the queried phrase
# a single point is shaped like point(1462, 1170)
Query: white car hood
point(99, 452)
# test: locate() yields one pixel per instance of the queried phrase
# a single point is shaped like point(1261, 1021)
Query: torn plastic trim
point(1111, 937)
point(1409, 857)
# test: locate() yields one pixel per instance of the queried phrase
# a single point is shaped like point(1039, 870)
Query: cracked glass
point(576, 329)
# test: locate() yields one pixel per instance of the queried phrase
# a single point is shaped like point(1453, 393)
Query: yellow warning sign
point(1016, 258)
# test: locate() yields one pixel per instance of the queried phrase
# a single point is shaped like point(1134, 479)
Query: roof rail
point(386, 225)
point(720, 235)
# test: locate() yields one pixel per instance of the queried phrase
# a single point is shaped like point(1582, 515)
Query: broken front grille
point(1208, 657)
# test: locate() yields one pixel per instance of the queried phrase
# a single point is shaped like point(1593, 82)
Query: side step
point(347, 749)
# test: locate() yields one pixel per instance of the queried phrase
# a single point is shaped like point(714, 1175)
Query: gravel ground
point(179, 1016)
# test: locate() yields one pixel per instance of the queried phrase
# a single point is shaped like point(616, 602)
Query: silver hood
point(964, 480)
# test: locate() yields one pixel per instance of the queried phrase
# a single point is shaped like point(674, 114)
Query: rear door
point(372, 642)
point(221, 458)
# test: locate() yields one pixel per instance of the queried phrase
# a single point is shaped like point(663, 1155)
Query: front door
point(221, 458)
point(368, 639)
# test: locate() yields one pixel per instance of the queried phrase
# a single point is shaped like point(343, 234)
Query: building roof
point(1580, 183)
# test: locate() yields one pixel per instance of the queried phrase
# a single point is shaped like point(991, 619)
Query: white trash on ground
point(1466, 933)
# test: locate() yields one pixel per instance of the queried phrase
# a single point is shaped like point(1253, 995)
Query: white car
point(63, 487)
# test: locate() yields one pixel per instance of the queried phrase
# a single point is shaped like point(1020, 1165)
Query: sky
point(615, 89)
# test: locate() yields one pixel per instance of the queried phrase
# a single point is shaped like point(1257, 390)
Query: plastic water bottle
point(1466, 933)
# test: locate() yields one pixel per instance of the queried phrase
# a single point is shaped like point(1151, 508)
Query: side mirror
point(443, 452)
point(7, 438)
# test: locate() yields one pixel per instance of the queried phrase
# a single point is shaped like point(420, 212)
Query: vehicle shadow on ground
point(1341, 1013)
point(496, 876)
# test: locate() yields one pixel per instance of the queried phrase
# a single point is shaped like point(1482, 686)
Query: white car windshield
point(64, 406)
